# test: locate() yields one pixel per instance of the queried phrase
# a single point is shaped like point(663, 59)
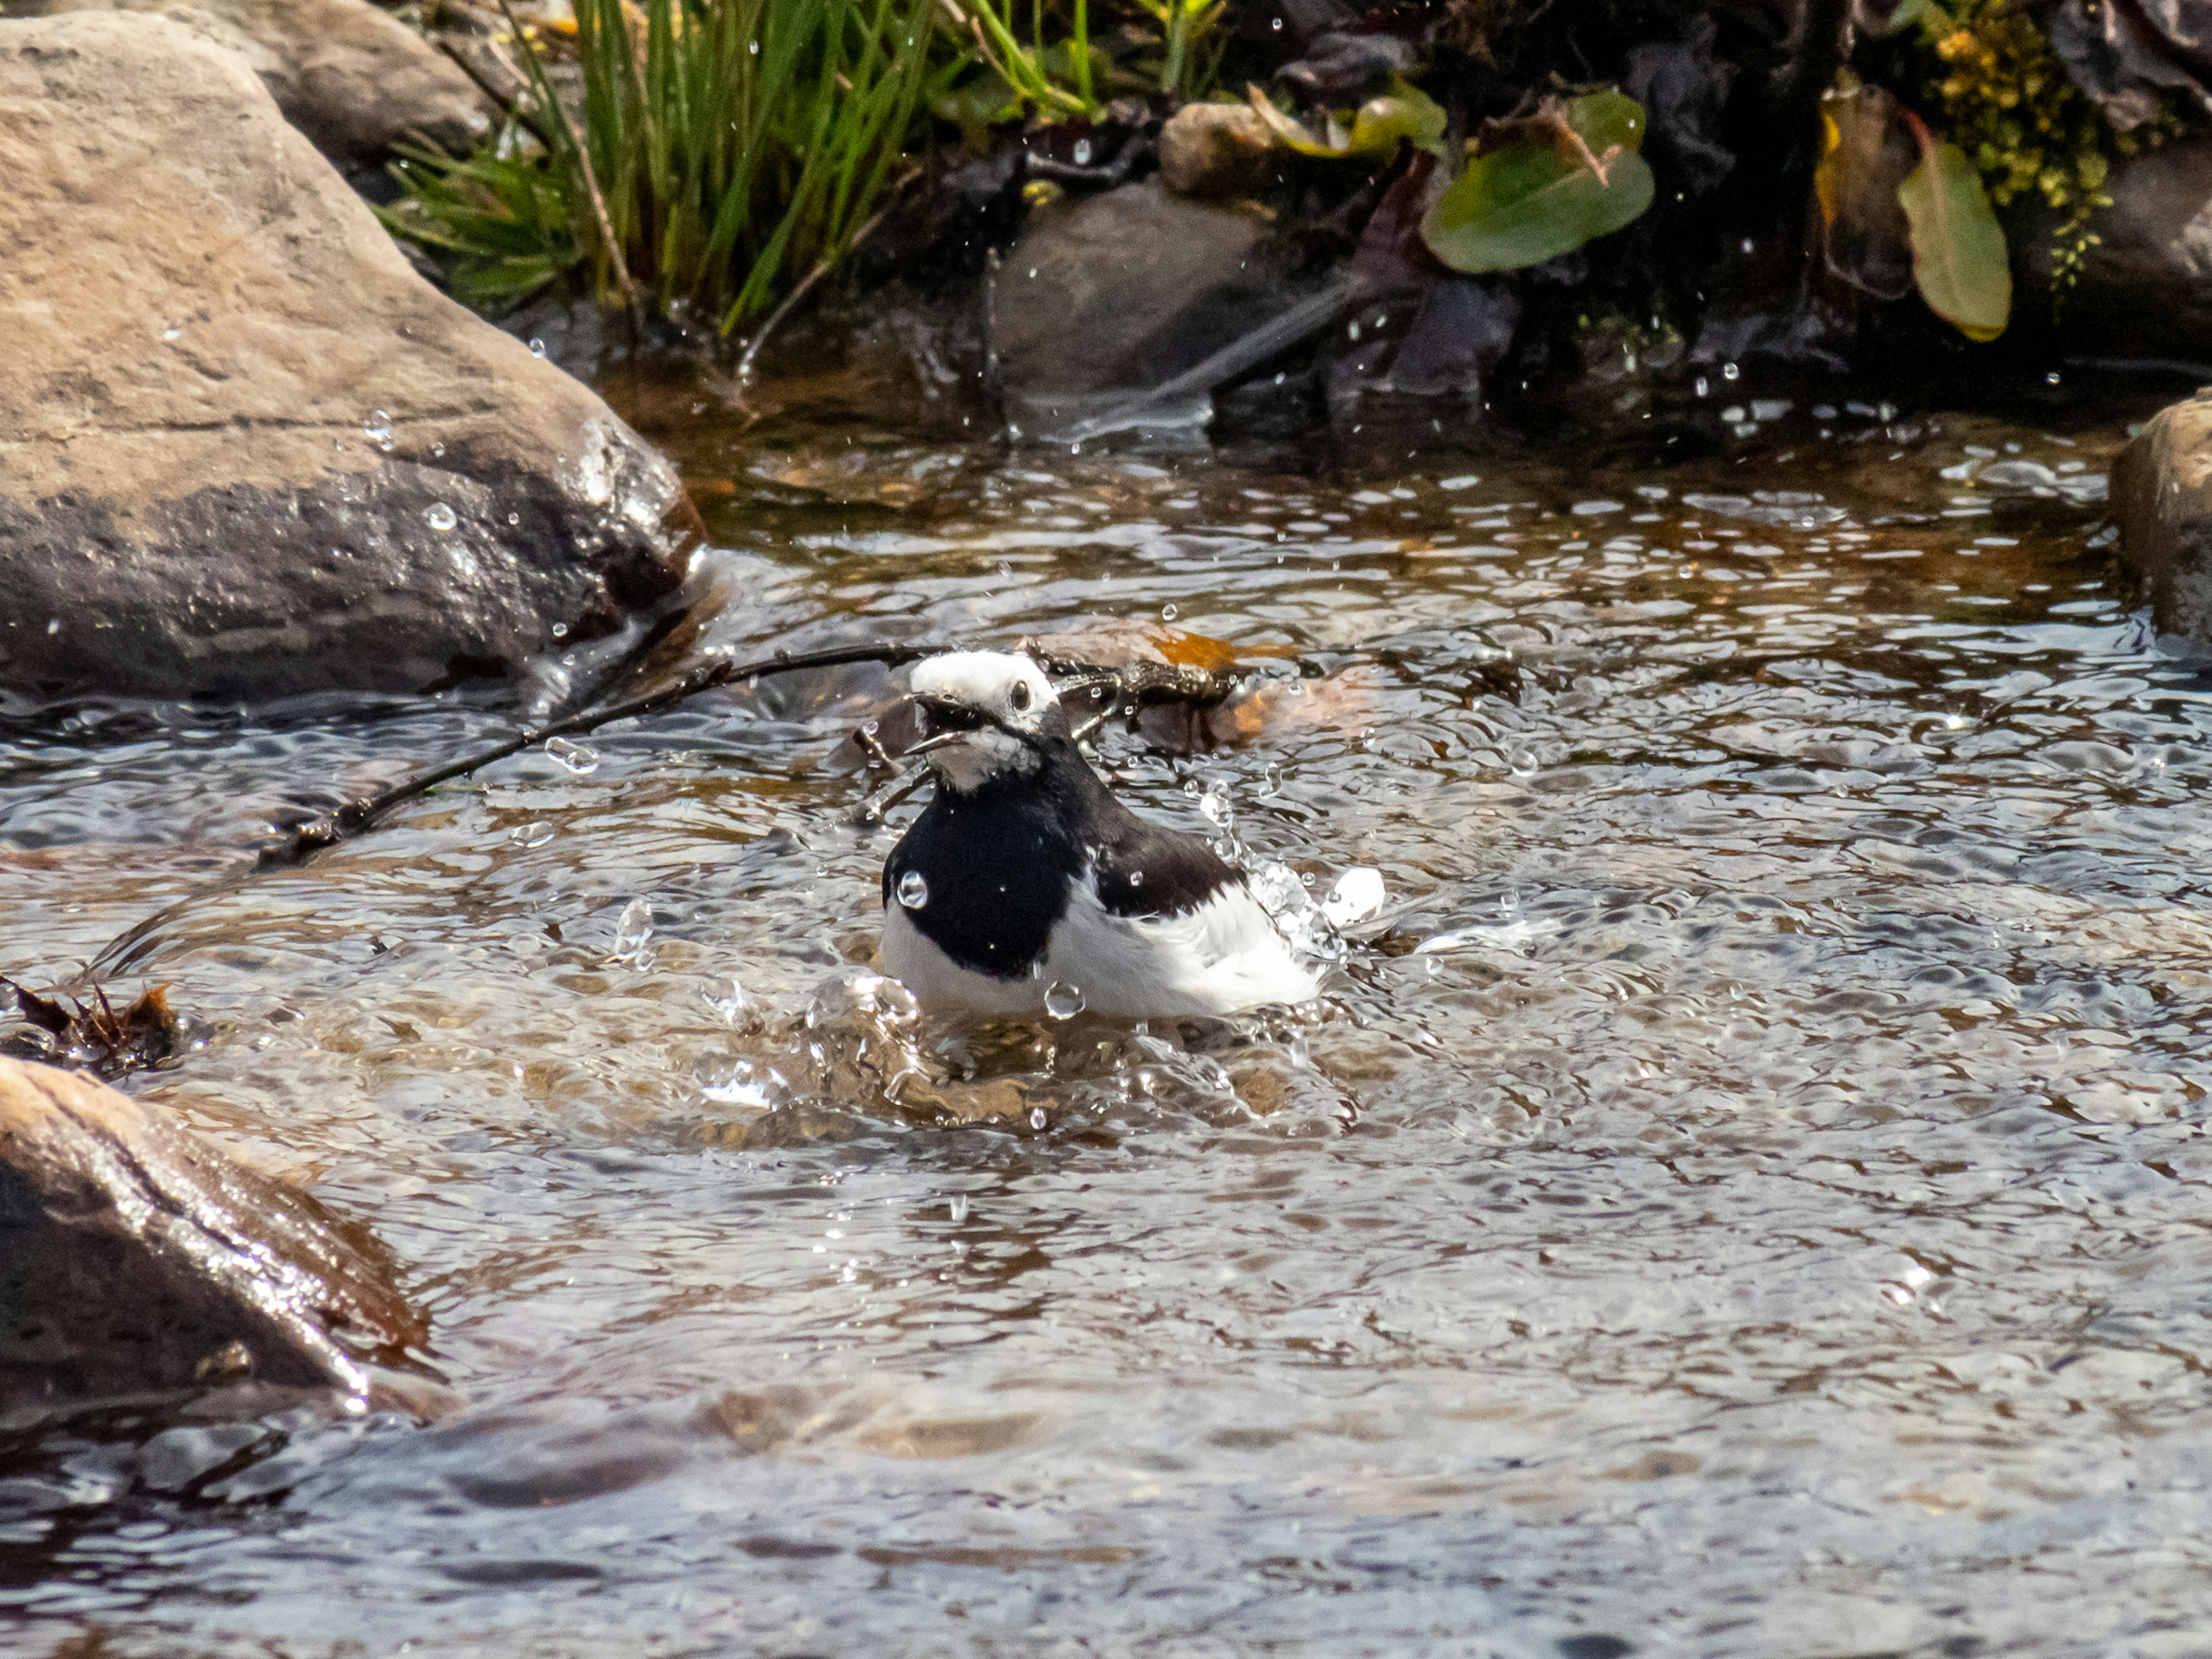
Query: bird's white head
point(977, 707)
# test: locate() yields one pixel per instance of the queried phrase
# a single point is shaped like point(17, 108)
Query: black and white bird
point(1024, 879)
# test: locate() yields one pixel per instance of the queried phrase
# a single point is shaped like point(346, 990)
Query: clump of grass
point(727, 150)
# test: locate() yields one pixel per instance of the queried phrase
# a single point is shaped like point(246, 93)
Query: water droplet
point(731, 1009)
point(1036, 1117)
point(53, 624)
point(531, 835)
point(1358, 895)
point(1083, 152)
point(1136, 878)
point(172, 334)
point(1167, 613)
point(514, 519)
point(560, 631)
point(958, 1204)
point(441, 517)
point(913, 891)
point(1730, 372)
point(538, 348)
point(578, 757)
point(1705, 387)
point(1214, 804)
point(1063, 1000)
point(632, 931)
point(379, 431)
point(437, 451)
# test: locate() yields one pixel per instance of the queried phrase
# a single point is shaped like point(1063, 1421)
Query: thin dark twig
point(356, 816)
point(871, 810)
point(509, 102)
point(823, 267)
point(615, 255)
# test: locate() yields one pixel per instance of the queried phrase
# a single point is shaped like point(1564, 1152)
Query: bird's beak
point(943, 722)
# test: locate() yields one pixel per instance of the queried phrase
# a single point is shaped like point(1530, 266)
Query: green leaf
point(1539, 196)
point(1958, 246)
point(1403, 112)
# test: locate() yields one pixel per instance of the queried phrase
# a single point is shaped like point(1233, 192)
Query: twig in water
point(356, 816)
point(823, 267)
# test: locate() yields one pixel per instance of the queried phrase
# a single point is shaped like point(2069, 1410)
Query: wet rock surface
point(2162, 499)
point(243, 449)
point(2145, 290)
point(1211, 150)
point(136, 1259)
point(1107, 294)
point(355, 79)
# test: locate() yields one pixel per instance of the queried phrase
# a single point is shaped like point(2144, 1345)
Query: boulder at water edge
point(2162, 499)
point(1110, 294)
point(354, 79)
point(2144, 291)
point(135, 1258)
point(244, 448)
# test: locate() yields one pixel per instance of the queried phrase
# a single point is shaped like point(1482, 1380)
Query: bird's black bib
point(1000, 862)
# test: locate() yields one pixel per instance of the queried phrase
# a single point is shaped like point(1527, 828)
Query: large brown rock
point(136, 1259)
point(355, 79)
point(244, 448)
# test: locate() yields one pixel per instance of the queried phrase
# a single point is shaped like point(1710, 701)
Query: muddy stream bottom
point(1745, 1195)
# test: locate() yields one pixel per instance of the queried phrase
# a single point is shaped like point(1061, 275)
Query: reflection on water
point(1741, 1199)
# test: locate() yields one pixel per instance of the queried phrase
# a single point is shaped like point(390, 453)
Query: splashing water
point(580, 758)
point(1063, 1000)
point(633, 932)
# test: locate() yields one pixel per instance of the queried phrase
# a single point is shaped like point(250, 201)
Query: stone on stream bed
point(2163, 500)
point(135, 1259)
point(245, 449)
point(356, 79)
point(1116, 294)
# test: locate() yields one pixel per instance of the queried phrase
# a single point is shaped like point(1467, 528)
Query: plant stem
point(615, 251)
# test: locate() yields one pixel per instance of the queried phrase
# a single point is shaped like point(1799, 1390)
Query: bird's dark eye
point(1019, 696)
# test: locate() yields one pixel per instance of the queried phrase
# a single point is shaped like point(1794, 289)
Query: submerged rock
point(136, 1259)
point(248, 450)
point(354, 79)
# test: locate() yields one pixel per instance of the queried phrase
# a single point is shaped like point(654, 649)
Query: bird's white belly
point(912, 958)
point(1220, 958)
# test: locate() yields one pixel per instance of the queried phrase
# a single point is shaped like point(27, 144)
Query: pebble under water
point(1742, 1201)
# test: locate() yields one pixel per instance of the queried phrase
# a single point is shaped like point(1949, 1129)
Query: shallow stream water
point(1744, 1195)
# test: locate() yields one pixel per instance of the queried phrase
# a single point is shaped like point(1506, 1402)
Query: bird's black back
point(1000, 861)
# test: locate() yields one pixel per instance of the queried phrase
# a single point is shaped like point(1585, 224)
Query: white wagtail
point(1024, 879)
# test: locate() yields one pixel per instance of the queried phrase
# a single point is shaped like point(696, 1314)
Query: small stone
point(1215, 150)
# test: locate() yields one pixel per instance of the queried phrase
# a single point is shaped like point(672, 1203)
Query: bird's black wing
point(1146, 870)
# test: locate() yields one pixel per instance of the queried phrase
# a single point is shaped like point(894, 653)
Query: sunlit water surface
point(1746, 1195)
